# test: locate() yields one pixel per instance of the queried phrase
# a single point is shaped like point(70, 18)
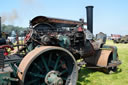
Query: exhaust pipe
point(89, 11)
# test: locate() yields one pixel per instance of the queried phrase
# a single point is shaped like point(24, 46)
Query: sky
point(109, 16)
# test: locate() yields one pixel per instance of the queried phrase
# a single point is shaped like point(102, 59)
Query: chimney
point(0, 28)
point(89, 12)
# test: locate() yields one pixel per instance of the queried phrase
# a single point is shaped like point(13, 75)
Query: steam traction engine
point(50, 51)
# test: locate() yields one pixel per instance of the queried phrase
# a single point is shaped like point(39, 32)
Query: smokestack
point(0, 28)
point(89, 11)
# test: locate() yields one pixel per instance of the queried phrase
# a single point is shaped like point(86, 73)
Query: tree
point(9, 28)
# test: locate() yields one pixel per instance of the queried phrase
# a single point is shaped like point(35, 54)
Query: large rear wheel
point(48, 66)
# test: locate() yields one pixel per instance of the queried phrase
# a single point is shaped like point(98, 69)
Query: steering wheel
point(6, 47)
point(28, 36)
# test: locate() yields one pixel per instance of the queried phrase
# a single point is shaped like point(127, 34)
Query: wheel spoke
point(38, 67)
point(36, 75)
point(50, 58)
point(31, 82)
point(63, 72)
point(57, 61)
point(45, 64)
point(60, 65)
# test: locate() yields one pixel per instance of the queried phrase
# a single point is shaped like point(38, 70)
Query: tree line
point(10, 28)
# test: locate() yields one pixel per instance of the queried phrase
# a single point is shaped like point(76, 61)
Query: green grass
point(91, 77)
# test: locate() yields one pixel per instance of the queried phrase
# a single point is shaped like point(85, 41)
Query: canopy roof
point(55, 22)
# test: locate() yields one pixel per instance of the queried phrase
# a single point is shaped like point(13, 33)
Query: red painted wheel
point(6, 47)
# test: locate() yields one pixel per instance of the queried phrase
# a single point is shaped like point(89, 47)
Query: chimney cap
point(89, 6)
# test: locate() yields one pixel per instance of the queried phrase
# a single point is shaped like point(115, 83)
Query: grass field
point(90, 77)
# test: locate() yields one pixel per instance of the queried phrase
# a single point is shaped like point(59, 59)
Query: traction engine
point(50, 52)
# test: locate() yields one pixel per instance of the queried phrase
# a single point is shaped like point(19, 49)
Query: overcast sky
point(110, 16)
